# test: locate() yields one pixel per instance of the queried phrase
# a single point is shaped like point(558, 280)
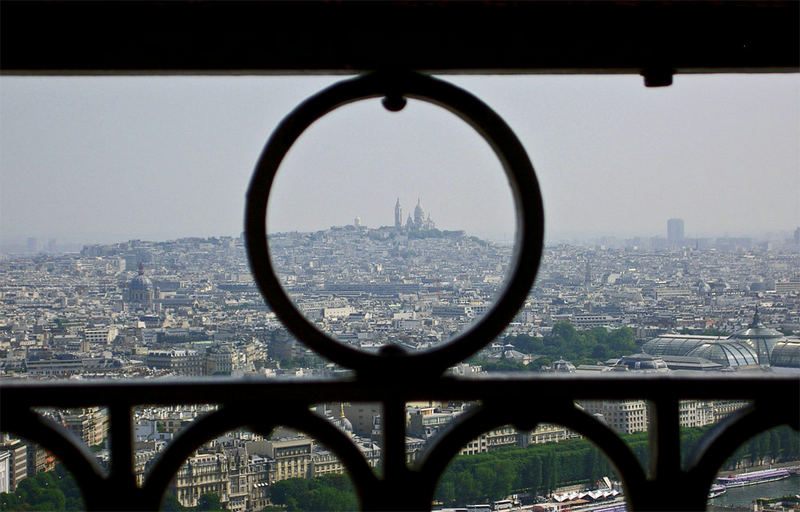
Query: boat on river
point(753, 478)
point(716, 490)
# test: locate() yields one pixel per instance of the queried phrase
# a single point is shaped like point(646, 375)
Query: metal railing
point(393, 377)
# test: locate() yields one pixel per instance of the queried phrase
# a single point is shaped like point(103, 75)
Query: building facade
point(5, 471)
point(623, 416)
point(17, 460)
point(90, 424)
point(202, 474)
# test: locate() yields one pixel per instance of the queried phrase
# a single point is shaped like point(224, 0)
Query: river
point(744, 496)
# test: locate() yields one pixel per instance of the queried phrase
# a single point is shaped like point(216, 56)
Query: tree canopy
point(480, 478)
point(331, 492)
point(51, 490)
point(580, 347)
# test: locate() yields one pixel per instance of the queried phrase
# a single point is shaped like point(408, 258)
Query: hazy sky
point(94, 159)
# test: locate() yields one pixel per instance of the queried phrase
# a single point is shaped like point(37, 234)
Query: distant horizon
point(108, 158)
point(20, 242)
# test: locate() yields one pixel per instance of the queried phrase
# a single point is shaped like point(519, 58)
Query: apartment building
point(202, 474)
point(90, 424)
point(17, 460)
point(623, 416)
point(291, 458)
point(494, 439)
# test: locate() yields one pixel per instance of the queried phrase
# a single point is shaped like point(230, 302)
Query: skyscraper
point(675, 231)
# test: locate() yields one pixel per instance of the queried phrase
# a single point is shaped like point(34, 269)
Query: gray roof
point(676, 344)
point(140, 282)
point(727, 353)
point(786, 353)
point(690, 363)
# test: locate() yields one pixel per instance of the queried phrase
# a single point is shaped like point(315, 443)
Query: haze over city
point(102, 159)
point(121, 209)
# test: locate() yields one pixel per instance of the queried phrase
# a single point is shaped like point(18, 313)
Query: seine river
point(743, 496)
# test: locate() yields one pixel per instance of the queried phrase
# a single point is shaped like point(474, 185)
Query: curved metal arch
point(630, 470)
point(487, 417)
point(607, 441)
point(228, 418)
point(723, 440)
point(524, 187)
point(169, 461)
point(303, 420)
point(66, 447)
point(471, 424)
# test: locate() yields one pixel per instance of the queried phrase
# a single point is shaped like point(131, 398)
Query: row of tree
point(50, 490)
point(56, 491)
point(541, 468)
point(330, 492)
point(537, 469)
point(208, 502)
point(580, 347)
point(480, 478)
point(565, 342)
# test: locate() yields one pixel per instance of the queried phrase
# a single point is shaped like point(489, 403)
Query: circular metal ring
point(524, 187)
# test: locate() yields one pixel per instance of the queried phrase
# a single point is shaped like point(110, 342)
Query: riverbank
point(750, 469)
point(742, 498)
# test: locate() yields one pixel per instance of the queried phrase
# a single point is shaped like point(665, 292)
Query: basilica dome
point(140, 282)
point(140, 289)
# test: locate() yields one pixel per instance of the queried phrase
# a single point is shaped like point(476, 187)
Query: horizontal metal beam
point(261, 405)
point(444, 36)
point(783, 390)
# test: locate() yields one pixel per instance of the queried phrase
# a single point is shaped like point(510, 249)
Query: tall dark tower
point(675, 231)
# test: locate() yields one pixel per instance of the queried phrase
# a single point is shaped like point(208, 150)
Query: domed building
point(419, 222)
point(643, 362)
point(563, 366)
point(724, 351)
point(729, 354)
point(342, 423)
point(749, 347)
point(676, 344)
point(762, 339)
point(140, 290)
point(786, 353)
point(419, 214)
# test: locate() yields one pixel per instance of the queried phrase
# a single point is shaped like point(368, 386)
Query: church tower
point(419, 215)
point(398, 215)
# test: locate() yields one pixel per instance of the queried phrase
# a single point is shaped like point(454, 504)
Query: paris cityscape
point(652, 364)
point(189, 308)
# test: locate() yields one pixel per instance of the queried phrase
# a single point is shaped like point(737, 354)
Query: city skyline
point(31, 245)
point(183, 309)
point(101, 159)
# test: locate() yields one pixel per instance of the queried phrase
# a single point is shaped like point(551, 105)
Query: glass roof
point(726, 353)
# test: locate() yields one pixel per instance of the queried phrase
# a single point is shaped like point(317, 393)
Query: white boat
point(716, 490)
point(753, 478)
